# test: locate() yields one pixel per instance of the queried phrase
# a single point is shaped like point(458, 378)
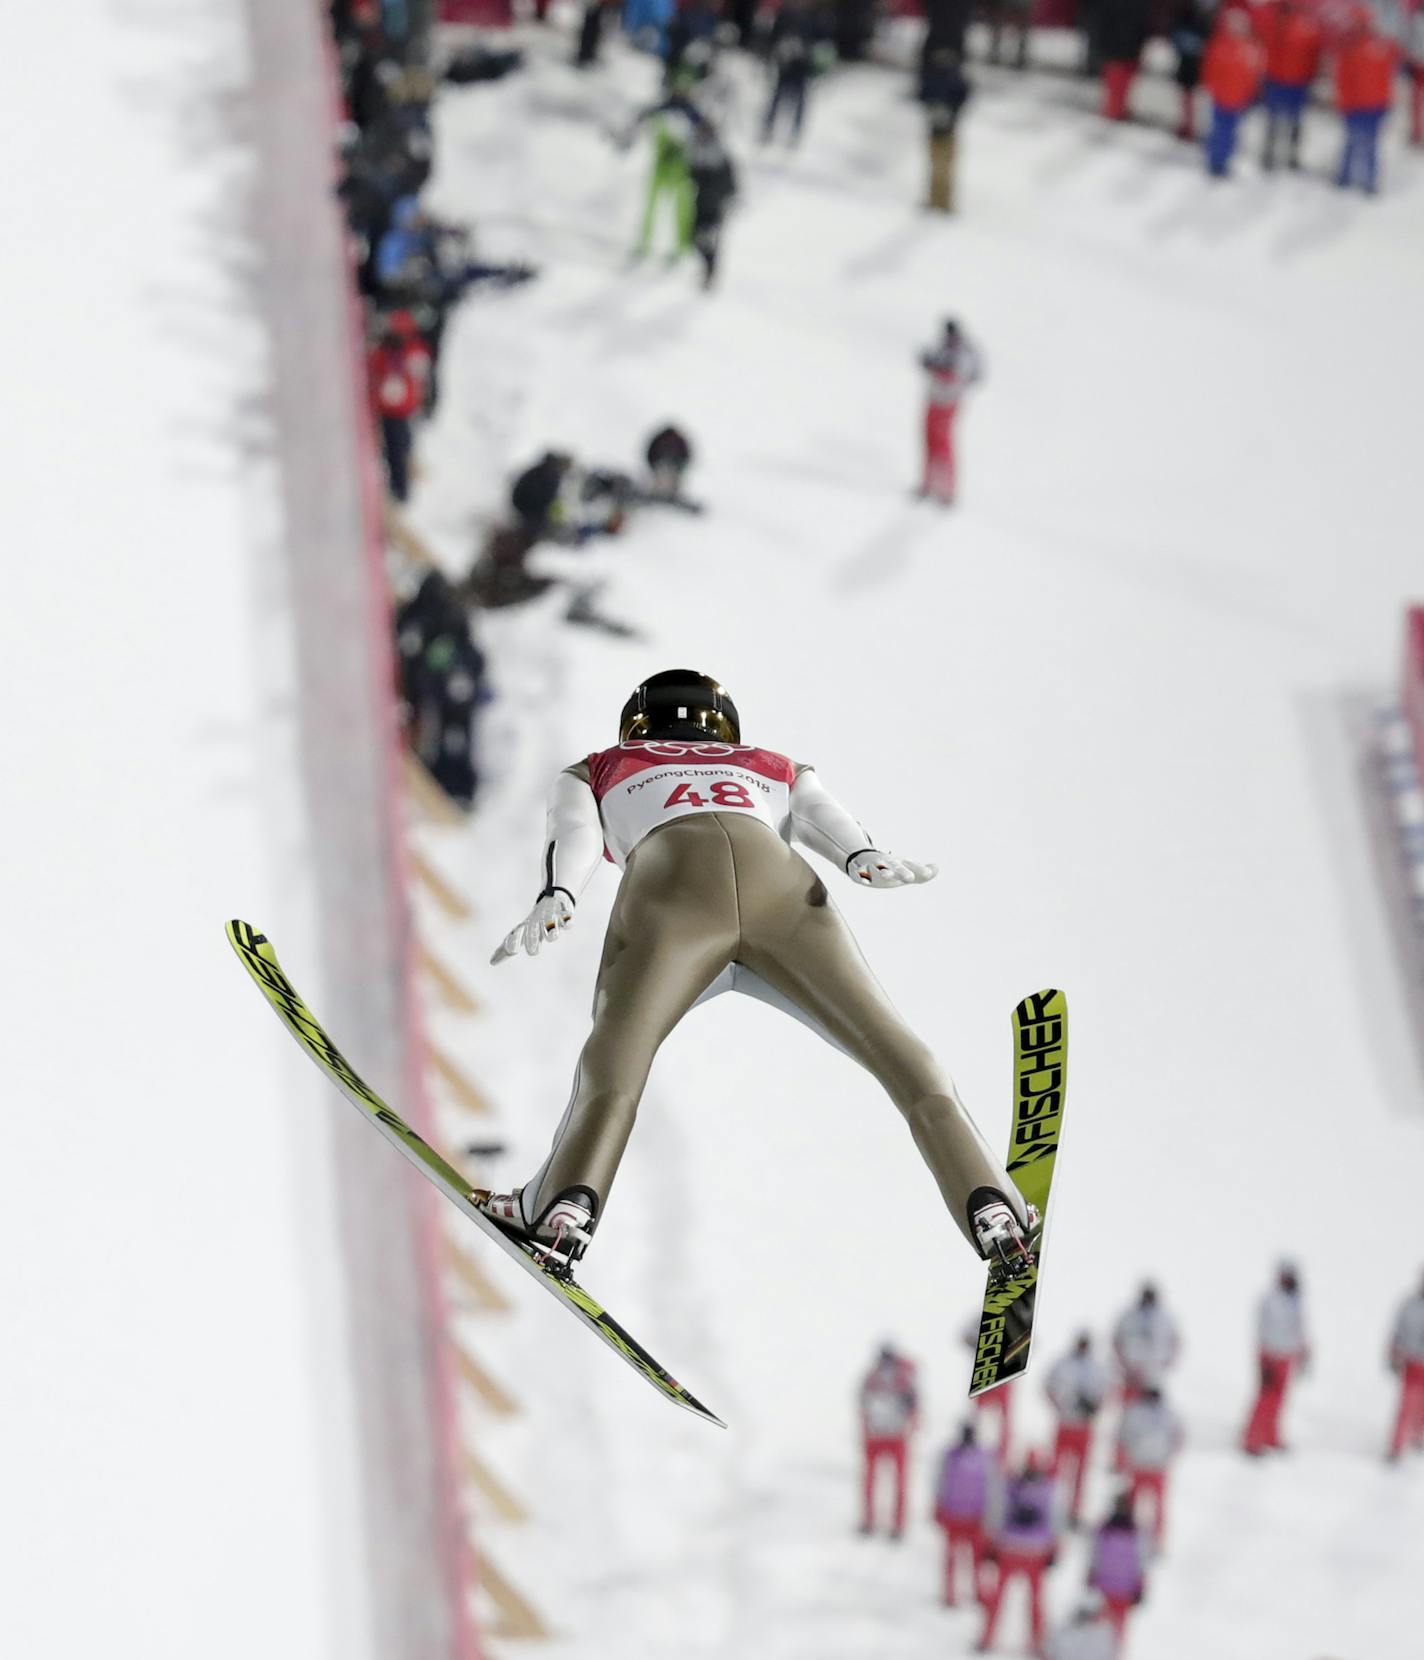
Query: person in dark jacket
point(442, 681)
point(1007, 16)
point(669, 455)
point(536, 495)
point(714, 189)
point(1122, 30)
point(1191, 28)
point(790, 52)
point(944, 91)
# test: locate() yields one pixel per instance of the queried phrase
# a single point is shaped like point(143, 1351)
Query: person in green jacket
point(673, 122)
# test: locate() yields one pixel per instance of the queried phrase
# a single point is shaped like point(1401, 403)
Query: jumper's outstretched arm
point(818, 821)
point(573, 847)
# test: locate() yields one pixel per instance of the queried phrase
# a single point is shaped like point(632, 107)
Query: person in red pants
point(1122, 28)
point(966, 1483)
point(1077, 1386)
point(1022, 1544)
point(1282, 1351)
point(889, 1411)
point(952, 367)
point(1148, 1440)
point(1118, 1569)
point(1406, 1358)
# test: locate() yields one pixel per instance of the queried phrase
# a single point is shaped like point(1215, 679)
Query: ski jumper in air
point(713, 898)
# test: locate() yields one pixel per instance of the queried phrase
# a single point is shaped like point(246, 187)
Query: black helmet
point(680, 703)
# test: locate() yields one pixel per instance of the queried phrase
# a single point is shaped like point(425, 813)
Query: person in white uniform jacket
point(1281, 1353)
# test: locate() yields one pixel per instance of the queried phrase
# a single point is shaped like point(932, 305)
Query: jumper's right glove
point(552, 913)
point(874, 869)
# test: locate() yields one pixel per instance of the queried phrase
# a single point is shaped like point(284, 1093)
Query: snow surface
point(1111, 693)
point(176, 1458)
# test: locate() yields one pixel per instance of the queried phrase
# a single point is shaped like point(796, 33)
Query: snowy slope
point(1107, 693)
point(176, 1446)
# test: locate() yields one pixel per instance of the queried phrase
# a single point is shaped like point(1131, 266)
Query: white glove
point(873, 869)
point(544, 923)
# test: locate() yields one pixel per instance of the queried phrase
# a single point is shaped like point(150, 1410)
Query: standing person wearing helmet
point(1281, 1352)
point(713, 898)
point(951, 368)
point(889, 1412)
point(1366, 63)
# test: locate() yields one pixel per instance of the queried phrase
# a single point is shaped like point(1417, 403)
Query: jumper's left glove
point(552, 913)
point(874, 869)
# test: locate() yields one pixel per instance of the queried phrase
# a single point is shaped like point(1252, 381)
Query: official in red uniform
point(1232, 71)
point(398, 372)
point(1365, 67)
point(1292, 40)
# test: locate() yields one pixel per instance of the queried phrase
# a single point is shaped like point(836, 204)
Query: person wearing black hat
point(714, 898)
point(951, 368)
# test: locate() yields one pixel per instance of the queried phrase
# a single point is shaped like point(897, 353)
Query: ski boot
point(560, 1236)
point(1004, 1243)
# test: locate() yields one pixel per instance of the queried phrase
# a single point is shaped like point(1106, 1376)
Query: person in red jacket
point(397, 369)
point(1231, 72)
point(1291, 37)
point(1365, 67)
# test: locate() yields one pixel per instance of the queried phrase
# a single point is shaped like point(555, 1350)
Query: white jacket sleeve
point(573, 837)
point(818, 821)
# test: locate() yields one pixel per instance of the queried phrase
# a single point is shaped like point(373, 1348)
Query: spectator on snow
point(1281, 1352)
point(944, 91)
point(714, 188)
point(1191, 27)
point(966, 1477)
point(538, 496)
point(1145, 1343)
point(1231, 71)
point(889, 1412)
point(1023, 1544)
point(673, 122)
point(791, 48)
point(397, 370)
point(951, 368)
point(1407, 19)
point(668, 455)
point(1117, 1570)
point(1122, 31)
point(1148, 1440)
point(1291, 37)
point(1087, 1636)
point(1078, 1385)
point(999, 1401)
point(1406, 1359)
point(1366, 63)
point(442, 683)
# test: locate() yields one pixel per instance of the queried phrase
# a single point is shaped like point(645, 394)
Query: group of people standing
point(1004, 1517)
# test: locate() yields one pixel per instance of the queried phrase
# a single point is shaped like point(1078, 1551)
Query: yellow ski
point(259, 959)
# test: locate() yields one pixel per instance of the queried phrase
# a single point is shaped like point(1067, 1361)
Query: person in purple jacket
point(1023, 1540)
point(961, 1498)
point(1119, 1565)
